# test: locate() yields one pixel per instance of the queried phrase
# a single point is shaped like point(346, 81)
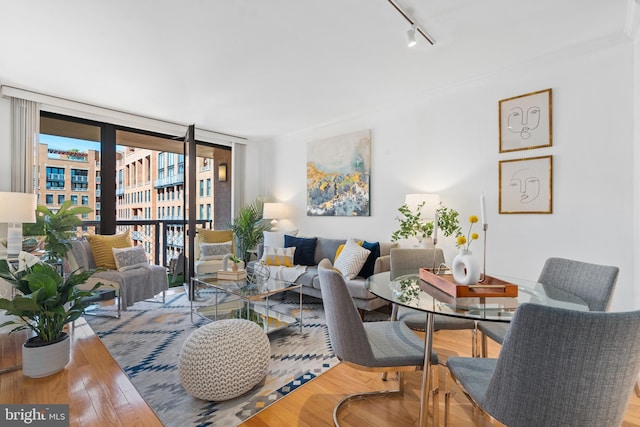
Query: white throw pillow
point(273, 239)
point(279, 256)
point(351, 259)
point(129, 258)
point(209, 251)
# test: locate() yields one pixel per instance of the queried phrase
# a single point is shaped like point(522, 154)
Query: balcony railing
point(55, 177)
point(162, 239)
point(169, 181)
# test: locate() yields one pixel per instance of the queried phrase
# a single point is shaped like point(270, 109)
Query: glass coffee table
point(243, 299)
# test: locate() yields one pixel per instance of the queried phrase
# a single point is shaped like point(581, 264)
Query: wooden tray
point(490, 287)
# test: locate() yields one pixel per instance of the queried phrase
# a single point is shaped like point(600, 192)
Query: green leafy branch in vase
point(413, 225)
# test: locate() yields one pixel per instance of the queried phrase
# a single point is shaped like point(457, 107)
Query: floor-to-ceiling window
point(131, 178)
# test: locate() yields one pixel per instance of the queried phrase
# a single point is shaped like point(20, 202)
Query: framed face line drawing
point(525, 186)
point(525, 121)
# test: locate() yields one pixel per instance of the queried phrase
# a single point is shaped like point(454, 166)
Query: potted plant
point(57, 228)
point(248, 227)
point(46, 303)
point(235, 260)
point(412, 225)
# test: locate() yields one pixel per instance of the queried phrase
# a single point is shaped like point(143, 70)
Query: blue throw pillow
point(369, 265)
point(305, 249)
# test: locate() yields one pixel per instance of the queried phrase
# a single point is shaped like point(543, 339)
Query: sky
point(64, 143)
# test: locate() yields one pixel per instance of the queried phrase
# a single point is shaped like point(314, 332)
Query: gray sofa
point(326, 248)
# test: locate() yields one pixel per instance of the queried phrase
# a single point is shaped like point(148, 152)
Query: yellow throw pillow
point(279, 256)
point(102, 248)
point(215, 236)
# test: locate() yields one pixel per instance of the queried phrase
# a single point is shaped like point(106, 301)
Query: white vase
point(465, 270)
point(38, 362)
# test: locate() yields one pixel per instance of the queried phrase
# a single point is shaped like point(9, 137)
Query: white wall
point(447, 142)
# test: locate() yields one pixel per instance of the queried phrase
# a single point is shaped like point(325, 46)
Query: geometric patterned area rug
point(147, 339)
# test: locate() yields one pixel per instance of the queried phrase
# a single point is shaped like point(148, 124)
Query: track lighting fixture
point(411, 36)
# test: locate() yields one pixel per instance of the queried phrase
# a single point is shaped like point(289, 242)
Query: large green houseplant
point(247, 227)
point(46, 300)
point(413, 225)
point(57, 227)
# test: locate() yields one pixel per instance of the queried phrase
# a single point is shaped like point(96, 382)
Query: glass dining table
point(412, 292)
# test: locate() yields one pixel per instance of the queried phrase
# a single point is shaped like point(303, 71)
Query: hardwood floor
point(100, 394)
point(312, 404)
point(97, 391)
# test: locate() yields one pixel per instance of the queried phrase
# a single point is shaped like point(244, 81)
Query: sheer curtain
point(25, 128)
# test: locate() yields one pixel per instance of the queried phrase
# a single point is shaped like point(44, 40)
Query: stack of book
point(232, 275)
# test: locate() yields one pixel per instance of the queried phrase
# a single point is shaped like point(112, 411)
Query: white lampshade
point(274, 212)
point(17, 207)
point(431, 203)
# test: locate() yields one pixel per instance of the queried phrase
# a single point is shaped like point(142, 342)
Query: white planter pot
point(465, 270)
point(38, 362)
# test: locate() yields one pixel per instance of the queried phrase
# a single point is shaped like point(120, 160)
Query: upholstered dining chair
point(371, 346)
point(409, 261)
point(549, 374)
point(592, 283)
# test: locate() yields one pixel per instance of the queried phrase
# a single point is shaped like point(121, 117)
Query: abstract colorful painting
point(338, 175)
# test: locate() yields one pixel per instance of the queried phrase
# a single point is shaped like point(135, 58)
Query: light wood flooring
point(100, 394)
point(97, 391)
point(312, 404)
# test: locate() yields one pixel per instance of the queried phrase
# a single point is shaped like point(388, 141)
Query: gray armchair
point(130, 286)
point(373, 346)
point(593, 283)
point(549, 373)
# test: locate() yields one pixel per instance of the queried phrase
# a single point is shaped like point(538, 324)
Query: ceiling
point(263, 68)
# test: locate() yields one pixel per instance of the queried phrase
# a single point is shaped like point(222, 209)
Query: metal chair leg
point(371, 394)
point(484, 344)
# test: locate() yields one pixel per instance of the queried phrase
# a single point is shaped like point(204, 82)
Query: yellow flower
point(462, 241)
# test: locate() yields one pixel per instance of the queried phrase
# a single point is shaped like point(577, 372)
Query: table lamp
point(274, 212)
point(16, 209)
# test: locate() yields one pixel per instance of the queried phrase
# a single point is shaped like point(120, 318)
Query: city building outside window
point(55, 178)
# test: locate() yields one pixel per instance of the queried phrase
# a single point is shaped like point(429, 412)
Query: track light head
point(411, 36)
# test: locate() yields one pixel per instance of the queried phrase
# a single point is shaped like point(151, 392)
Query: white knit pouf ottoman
point(224, 359)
